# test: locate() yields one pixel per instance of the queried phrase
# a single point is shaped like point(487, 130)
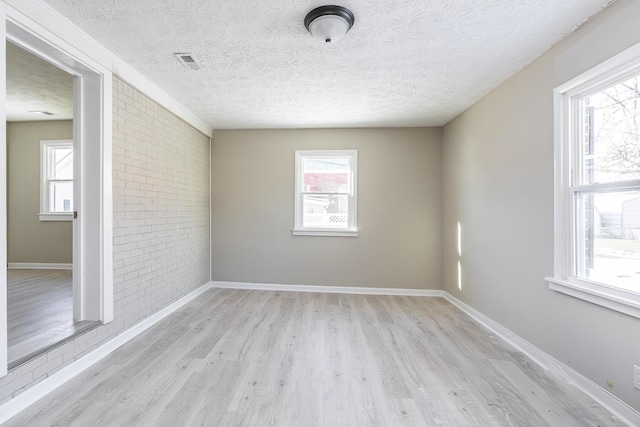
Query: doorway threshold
point(83, 329)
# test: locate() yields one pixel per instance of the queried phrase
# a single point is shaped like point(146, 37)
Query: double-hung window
point(597, 231)
point(56, 180)
point(325, 193)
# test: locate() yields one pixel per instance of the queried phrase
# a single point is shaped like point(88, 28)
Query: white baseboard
point(329, 289)
point(39, 266)
point(38, 391)
point(553, 366)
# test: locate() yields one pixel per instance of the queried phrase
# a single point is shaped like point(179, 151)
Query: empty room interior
point(307, 214)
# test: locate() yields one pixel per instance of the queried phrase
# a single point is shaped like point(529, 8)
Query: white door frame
point(77, 201)
point(92, 130)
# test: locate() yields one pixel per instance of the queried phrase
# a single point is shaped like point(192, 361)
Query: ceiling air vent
point(188, 60)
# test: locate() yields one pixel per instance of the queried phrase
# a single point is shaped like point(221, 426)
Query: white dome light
point(329, 23)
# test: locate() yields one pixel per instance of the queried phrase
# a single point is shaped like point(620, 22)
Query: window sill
point(613, 298)
point(56, 216)
point(326, 233)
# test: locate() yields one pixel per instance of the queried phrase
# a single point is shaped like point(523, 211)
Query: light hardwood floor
point(39, 311)
point(259, 358)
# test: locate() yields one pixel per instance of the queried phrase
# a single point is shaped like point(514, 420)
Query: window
point(325, 198)
point(56, 188)
point(598, 185)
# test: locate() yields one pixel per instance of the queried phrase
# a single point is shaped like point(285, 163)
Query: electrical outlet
point(636, 376)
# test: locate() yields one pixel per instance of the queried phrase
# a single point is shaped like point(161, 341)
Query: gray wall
point(498, 182)
point(160, 225)
point(399, 209)
point(29, 239)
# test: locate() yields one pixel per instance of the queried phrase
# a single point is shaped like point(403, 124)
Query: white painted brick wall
point(160, 230)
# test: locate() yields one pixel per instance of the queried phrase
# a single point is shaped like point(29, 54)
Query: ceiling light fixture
point(329, 23)
point(42, 113)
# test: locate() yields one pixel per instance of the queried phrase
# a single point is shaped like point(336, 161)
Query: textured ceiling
point(35, 85)
point(404, 63)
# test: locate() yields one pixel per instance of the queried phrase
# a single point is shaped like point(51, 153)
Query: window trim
point(45, 215)
point(352, 221)
point(566, 96)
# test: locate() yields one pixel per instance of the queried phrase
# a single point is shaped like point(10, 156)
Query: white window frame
point(566, 111)
point(45, 163)
point(352, 222)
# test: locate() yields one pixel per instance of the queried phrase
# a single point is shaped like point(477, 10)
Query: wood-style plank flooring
point(39, 310)
point(260, 358)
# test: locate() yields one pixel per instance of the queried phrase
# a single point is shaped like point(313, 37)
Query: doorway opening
point(40, 206)
point(77, 193)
